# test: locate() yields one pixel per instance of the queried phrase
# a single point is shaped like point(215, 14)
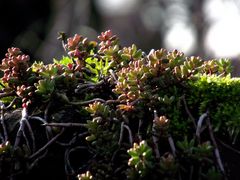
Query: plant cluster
point(113, 112)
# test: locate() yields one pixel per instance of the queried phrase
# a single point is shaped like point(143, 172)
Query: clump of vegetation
point(110, 112)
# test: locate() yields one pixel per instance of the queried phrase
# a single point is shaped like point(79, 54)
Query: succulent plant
point(113, 112)
point(141, 158)
point(85, 176)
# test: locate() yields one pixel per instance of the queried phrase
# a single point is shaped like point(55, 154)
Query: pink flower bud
point(70, 66)
point(24, 105)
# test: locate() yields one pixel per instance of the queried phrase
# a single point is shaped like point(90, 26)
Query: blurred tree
point(189, 26)
point(23, 23)
point(70, 17)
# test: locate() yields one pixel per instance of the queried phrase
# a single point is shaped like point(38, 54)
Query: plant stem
point(171, 143)
point(121, 134)
point(31, 135)
point(2, 119)
point(155, 139)
point(65, 124)
point(46, 145)
point(129, 134)
point(21, 128)
point(188, 111)
point(216, 150)
point(7, 94)
point(199, 124)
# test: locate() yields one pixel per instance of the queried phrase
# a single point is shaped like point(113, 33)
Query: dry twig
point(46, 145)
point(48, 129)
point(21, 128)
point(155, 138)
point(188, 111)
point(172, 146)
point(216, 150)
point(130, 137)
point(65, 124)
point(5, 134)
point(199, 124)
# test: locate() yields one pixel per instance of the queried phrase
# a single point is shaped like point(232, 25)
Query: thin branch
point(46, 145)
point(119, 169)
point(82, 103)
point(2, 119)
point(126, 120)
point(155, 138)
point(129, 134)
point(2, 138)
point(188, 111)
point(139, 128)
point(155, 142)
point(115, 120)
point(12, 103)
point(39, 119)
point(112, 101)
point(79, 103)
point(229, 147)
point(37, 159)
point(114, 154)
point(67, 165)
point(62, 36)
point(121, 134)
point(172, 146)
point(67, 160)
point(47, 110)
point(199, 124)
point(48, 129)
point(235, 136)
point(65, 124)
point(216, 150)
point(199, 173)
point(31, 135)
point(83, 87)
point(135, 101)
point(191, 172)
point(113, 75)
point(73, 140)
point(7, 94)
point(21, 128)
point(26, 140)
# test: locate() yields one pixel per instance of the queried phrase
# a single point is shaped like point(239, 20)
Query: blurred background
point(206, 28)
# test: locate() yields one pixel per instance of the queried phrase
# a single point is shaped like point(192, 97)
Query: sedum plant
point(141, 158)
point(105, 111)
